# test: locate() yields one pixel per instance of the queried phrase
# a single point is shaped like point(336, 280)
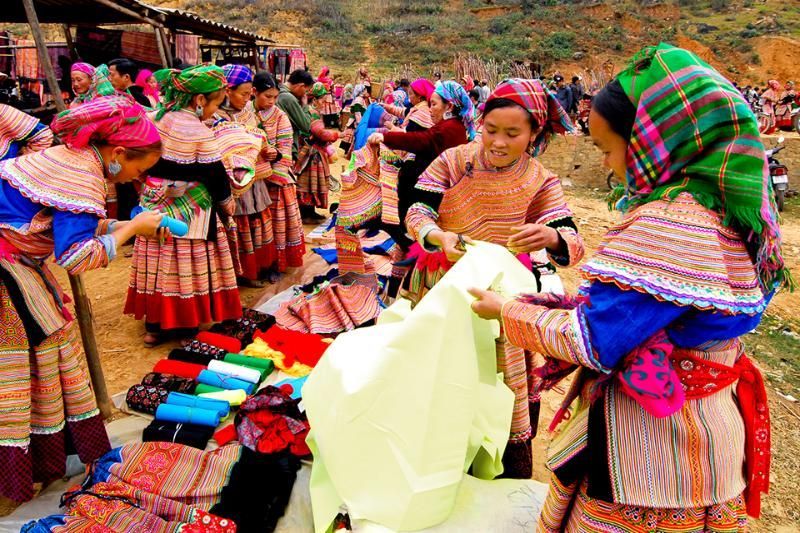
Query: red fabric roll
point(178, 368)
point(221, 341)
point(226, 435)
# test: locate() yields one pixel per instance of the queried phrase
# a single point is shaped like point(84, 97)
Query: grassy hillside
point(747, 39)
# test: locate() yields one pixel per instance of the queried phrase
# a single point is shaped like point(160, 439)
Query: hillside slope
point(749, 40)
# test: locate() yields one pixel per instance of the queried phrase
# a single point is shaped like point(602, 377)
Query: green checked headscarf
point(100, 86)
point(181, 85)
point(695, 133)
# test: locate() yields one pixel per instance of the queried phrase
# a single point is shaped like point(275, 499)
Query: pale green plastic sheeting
point(401, 410)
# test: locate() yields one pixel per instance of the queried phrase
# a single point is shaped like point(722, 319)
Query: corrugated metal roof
point(90, 12)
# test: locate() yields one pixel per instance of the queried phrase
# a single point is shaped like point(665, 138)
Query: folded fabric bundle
point(224, 342)
point(243, 328)
point(202, 388)
point(193, 435)
point(250, 375)
point(215, 379)
point(259, 348)
point(332, 310)
point(179, 354)
point(146, 399)
point(226, 434)
point(234, 398)
point(187, 400)
point(179, 368)
point(204, 348)
point(170, 382)
point(183, 414)
point(270, 422)
point(252, 362)
point(304, 347)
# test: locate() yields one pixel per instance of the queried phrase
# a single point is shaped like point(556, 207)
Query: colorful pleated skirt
point(287, 227)
point(183, 283)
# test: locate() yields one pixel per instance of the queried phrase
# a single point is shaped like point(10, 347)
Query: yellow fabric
point(262, 350)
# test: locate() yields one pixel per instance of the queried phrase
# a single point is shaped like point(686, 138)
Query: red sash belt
point(702, 378)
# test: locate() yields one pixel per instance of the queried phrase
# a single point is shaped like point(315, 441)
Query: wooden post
point(73, 52)
point(161, 52)
point(82, 310)
point(167, 47)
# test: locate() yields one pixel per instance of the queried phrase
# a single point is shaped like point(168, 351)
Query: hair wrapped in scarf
point(101, 86)
point(541, 103)
point(694, 132)
point(324, 79)
point(116, 120)
point(236, 75)
point(423, 87)
point(141, 81)
point(181, 85)
point(85, 68)
point(318, 90)
point(359, 90)
point(453, 93)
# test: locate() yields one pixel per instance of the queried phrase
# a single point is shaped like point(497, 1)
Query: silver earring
point(198, 111)
point(114, 168)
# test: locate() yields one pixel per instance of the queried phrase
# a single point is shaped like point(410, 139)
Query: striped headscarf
point(236, 75)
point(539, 102)
point(85, 68)
point(101, 86)
point(453, 93)
point(181, 85)
point(695, 133)
point(117, 120)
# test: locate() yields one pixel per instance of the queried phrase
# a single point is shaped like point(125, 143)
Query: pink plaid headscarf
point(117, 120)
point(85, 68)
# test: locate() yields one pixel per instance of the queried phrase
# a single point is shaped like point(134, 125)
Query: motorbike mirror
point(781, 139)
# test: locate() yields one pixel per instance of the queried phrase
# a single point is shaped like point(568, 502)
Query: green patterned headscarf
point(318, 90)
point(181, 85)
point(695, 133)
point(101, 86)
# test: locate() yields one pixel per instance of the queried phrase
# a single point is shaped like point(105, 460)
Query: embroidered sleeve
point(550, 207)
point(78, 246)
point(283, 142)
point(40, 138)
point(431, 186)
point(397, 111)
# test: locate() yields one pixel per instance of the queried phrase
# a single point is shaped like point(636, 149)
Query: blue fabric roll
point(187, 400)
point(215, 379)
point(370, 121)
point(187, 415)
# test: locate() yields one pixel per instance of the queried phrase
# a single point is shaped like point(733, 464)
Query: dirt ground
point(125, 359)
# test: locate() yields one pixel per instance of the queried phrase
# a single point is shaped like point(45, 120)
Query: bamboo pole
point(130, 13)
point(161, 48)
point(82, 310)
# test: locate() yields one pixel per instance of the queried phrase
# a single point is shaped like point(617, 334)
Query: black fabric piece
point(33, 330)
point(565, 222)
point(533, 411)
point(190, 357)
point(318, 280)
point(170, 382)
point(517, 461)
point(243, 328)
point(138, 94)
point(205, 349)
point(192, 435)
point(259, 490)
point(599, 485)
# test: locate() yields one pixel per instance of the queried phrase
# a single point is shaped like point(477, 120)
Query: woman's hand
point(391, 126)
point(488, 304)
point(451, 243)
point(269, 154)
point(532, 238)
point(375, 138)
point(146, 224)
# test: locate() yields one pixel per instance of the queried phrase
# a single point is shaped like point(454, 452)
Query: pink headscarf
point(324, 79)
point(423, 87)
point(85, 68)
point(116, 120)
point(141, 81)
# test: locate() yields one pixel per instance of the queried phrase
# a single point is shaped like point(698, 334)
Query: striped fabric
point(679, 251)
point(313, 172)
point(333, 309)
point(361, 199)
point(186, 140)
point(188, 201)
point(183, 283)
point(240, 147)
point(286, 222)
point(83, 189)
point(255, 244)
point(15, 126)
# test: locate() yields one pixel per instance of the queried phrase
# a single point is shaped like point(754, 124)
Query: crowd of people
point(669, 427)
point(773, 105)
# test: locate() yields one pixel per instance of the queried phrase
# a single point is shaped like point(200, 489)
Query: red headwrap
point(116, 120)
point(539, 102)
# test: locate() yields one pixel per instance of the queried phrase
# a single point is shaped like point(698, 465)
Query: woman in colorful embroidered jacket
point(178, 284)
point(495, 190)
point(53, 203)
point(255, 239)
point(362, 98)
point(663, 437)
point(287, 224)
point(21, 133)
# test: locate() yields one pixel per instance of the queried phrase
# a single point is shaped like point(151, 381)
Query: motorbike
point(778, 173)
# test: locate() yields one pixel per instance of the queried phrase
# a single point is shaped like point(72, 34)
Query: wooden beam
point(167, 46)
point(73, 52)
point(161, 48)
point(130, 13)
point(82, 310)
